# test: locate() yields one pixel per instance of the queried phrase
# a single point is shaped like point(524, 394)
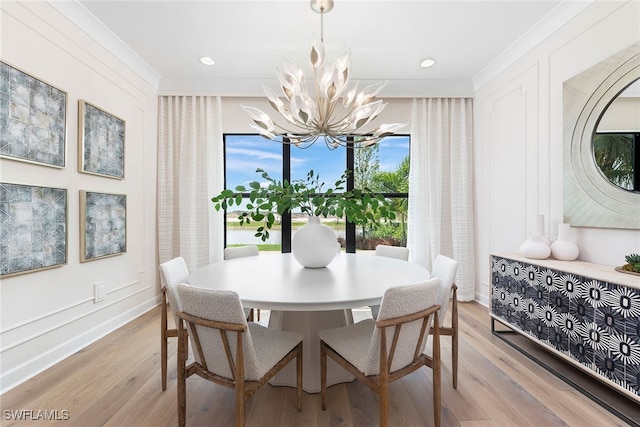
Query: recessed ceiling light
point(207, 61)
point(427, 63)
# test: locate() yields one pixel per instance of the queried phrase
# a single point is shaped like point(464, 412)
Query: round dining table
point(309, 299)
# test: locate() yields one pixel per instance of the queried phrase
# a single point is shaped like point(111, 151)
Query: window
point(384, 168)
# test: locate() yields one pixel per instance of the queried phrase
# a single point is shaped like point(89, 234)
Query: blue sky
point(246, 153)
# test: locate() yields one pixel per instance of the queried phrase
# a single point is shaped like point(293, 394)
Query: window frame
point(285, 225)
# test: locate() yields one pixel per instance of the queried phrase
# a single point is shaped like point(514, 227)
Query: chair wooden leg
point(454, 338)
point(182, 377)
point(163, 340)
point(437, 397)
point(384, 380)
point(323, 375)
point(239, 379)
point(299, 377)
point(239, 404)
point(384, 403)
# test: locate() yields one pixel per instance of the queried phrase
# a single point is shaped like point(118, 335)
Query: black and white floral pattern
point(569, 285)
point(595, 323)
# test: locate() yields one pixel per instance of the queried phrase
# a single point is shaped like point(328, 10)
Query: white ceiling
point(388, 39)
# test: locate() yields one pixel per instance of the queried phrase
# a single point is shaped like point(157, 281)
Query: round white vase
point(314, 245)
point(535, 247)
point(564, 250)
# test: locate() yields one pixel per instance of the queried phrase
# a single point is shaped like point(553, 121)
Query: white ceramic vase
point(535, 247)
point(314, 245)
point(564, 248)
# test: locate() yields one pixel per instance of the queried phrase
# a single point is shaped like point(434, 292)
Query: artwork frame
point(33, 119)
point(103, 225)
point(101, 141)
point(33, 228)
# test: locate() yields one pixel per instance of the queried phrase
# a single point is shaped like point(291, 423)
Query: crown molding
point(86, 21)
point(552, 22)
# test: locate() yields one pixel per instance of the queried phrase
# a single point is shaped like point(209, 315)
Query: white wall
point(48, 315)
point(235, 120)
point(518, 139)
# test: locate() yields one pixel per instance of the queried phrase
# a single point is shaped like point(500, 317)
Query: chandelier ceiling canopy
point(333, 112)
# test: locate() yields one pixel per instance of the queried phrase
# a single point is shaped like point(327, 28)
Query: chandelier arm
point(343, 119)
point(297, 123)
point(289, 131)
point(327, 141)
point(340, 128)
point(338, 142)
point(330, 112)
point(299, 144)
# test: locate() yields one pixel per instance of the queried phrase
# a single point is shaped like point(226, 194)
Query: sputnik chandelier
point(333, 113)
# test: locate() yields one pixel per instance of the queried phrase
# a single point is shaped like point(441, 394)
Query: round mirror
point(590, 199)
point(616, 140)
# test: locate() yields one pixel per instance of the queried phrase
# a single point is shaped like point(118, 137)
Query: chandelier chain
point(322, 24)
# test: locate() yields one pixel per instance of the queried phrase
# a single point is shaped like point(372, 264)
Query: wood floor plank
point(552, 392)
point(116, 382)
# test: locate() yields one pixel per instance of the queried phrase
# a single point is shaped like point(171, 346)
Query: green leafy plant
point(272, 197)
point(633, 263)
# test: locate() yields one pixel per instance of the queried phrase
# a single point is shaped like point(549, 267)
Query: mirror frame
point(590, 200)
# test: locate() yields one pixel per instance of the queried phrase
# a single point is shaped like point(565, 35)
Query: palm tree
point(614, 155)
point(395, 182)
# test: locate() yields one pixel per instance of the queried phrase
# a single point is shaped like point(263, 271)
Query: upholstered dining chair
point(381, 351)
point(229, 351)
point(240, 252)
point(172, 273)
point(445, 269)
point(398, 252)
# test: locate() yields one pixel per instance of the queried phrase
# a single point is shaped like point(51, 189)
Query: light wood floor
point(116, 382)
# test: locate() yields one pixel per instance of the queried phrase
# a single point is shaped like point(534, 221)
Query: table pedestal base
point(310, 323)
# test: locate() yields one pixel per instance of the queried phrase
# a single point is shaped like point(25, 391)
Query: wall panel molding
point(49, 315)
point(43, 360)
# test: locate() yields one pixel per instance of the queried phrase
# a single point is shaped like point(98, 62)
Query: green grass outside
point(295, 224)
point(262, 247)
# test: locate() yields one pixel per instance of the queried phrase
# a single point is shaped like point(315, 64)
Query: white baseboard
point(47, 358)
point(482, 299)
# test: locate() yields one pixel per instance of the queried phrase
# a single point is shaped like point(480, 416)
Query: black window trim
point(285, 225)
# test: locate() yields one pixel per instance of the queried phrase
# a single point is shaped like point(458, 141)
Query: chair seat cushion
point(271, 345)
point(351, 342)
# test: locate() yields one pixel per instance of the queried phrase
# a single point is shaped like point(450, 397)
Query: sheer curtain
point(441, 187)
point(190, 172)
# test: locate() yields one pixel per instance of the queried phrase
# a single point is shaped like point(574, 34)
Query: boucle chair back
point(207, 342)
point(172, 273)
point(445, 269)
point(398, 252)
point(240, 251)
point(397, 302)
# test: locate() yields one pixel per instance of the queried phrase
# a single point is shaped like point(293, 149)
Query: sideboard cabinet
point(585, 313)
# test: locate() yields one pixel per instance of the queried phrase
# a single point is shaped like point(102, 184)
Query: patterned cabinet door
point(594, 323)
point(617, 325)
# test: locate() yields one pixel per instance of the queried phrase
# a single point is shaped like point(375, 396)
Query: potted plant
point(309, 195)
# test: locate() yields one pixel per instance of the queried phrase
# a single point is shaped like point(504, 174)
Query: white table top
point(278, 282)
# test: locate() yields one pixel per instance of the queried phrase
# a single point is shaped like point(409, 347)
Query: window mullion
point(350, 228)
point(286, 216)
